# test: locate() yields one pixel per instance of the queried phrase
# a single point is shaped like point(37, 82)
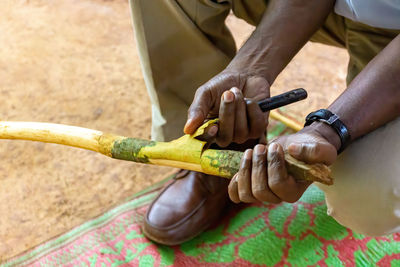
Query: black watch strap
point(332, 120)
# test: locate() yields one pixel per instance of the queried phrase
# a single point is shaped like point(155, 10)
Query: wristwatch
point(325, 116)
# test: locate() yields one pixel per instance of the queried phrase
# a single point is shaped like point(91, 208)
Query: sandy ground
point(74, 62)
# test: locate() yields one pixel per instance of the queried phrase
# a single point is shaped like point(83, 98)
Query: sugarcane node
point(309, 172)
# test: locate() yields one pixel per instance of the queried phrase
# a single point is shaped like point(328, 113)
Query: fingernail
point(189, 121)
point(235, 178)
point(235, 90)
point(247, 154)
point(294, 149)
point(259, 149)
point(228, 97)
point(272, 149)
point(213, 130)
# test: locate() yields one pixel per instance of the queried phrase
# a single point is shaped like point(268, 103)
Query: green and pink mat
point(299, 234)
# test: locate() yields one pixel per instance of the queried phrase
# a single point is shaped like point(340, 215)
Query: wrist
point(326, 132)
point(334, 122)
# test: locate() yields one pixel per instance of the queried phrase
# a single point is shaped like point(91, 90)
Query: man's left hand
point(263, 176)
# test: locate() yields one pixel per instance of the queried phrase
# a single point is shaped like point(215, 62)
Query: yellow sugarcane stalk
point(186, 152)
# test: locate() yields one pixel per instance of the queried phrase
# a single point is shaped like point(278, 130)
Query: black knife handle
point(282, 99)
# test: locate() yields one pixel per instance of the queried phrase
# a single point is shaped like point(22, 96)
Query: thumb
point(315, 152)
point(198, 110)
point(209, 135)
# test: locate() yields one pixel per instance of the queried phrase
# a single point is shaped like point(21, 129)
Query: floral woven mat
point(299, 234)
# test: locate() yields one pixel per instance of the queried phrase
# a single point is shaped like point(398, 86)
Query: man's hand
point(284, 28)
point(263, 175)
point(224, 97)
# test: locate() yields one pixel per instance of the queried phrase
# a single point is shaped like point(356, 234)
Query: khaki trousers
point(183, 43)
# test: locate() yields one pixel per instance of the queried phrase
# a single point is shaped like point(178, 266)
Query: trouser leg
point(181, 44)
point(363, 43)
point(366, 193)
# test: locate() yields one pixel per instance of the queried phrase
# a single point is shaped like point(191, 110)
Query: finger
point(233, 190)
point(198, 110)
point(315, 152)
point(259, 176)
point(241, 128)
point(256, 119)
point(226, 119)
point(209, 135)
point(256, 88)
point(243, 179)
point(279, 181)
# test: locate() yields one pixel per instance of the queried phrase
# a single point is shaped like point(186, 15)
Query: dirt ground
point(74, 62)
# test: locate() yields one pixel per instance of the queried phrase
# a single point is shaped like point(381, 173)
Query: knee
point(366, 193)
point(372, 216)
point(366, 207)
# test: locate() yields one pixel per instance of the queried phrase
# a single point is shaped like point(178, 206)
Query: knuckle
point(204, 89)
point(240, 137)
point(225, 80)
point(290, 198)
point(195, 110)
point(284, 190)
point(261, 194)
point(246, 198)
point(259, 162)
point(233, 196)
point(222, 142)
point(274, 161)
point(232, 78)
point(275, 183)
point(313, 150)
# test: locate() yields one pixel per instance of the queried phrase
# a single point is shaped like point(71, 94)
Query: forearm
point(372, 99)
point(285, 27)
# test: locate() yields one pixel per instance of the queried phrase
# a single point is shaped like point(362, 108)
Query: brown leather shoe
point(185, 208)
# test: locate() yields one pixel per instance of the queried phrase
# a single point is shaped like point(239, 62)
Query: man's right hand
point(225, 97)
point(284, 28)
